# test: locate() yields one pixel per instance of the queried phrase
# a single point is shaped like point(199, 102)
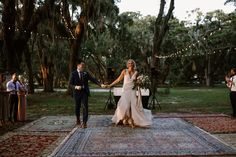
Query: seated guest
point(13, 87)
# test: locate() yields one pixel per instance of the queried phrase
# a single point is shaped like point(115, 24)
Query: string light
point(194, 54)
point(45, 35)
point(176, 54)
point(56, 36)
point(180, 53)
point(65, 22)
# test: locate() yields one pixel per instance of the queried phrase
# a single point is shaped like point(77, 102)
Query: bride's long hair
point(131, 60)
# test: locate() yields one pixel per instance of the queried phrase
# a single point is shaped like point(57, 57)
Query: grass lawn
point(179, 100)
point(189, 100)
point(197, 100)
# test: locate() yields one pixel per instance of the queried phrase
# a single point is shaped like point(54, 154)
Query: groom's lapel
point(83, 75)
point(77, 75)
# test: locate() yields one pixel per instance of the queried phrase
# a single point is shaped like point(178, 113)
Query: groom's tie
point(15, 92)
point(81, 76)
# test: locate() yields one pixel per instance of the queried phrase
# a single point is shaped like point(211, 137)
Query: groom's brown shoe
point(83, 125)
point(78, 122)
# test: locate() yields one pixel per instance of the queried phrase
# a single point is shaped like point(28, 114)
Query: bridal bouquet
point(142, 81)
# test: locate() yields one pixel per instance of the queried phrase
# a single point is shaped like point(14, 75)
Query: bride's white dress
point(129, 107)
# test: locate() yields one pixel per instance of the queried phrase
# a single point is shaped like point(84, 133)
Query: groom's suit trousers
point(81, 99)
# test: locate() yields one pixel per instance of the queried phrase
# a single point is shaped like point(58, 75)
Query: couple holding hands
point(129, 109)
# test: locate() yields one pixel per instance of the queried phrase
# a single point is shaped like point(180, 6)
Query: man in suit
point(13, 87)
point(79, 83)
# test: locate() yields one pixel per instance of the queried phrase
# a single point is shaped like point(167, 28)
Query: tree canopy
point(43, 40)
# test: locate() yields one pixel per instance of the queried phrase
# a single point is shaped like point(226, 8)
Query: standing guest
point(22, 100)
point(4, 103)
point(13, 87)
point(231, 84)
point(2, 80)
point(1, 100)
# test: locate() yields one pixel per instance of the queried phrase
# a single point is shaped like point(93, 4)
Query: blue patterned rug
point(51, 124)
point(167, 137)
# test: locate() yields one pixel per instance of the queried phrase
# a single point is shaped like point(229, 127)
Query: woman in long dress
point(21, 116)
point(129, 108)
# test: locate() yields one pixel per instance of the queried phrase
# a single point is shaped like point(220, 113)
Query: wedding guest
point(4, 103)
point(231, 84)
point(1, 100)
point(22, 99)
point(13, 87)
point(2, 81)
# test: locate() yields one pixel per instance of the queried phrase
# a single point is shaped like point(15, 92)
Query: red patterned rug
point(25, 145)
point(222, 124)
point(188, 115)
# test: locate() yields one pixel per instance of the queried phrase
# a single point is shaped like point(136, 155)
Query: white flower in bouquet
point(142, 81)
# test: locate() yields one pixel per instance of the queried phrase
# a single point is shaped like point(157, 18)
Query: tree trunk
point(46, 67)
point(161, 28)
point(208, 71)
point(8, 19)
point(79, 33)
point(47, 73)
point(2, 58)
point(75, 43)
point(165, 73)
point(30, 71)
point(75, 47)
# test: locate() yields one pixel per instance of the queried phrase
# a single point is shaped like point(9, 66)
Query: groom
point(79, 83)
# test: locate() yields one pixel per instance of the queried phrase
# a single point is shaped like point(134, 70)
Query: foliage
point(112, 38)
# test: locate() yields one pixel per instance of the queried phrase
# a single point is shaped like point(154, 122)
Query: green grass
point(45, 104)
point(179, 100)
point(197, 100)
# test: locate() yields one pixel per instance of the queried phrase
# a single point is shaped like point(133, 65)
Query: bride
point(129, 108)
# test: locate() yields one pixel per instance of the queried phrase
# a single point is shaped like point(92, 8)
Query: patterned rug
point(38, 138)
point(188, 115)
point(51, 124)
point(228, 138)
point(167, 136)
point(214, 124)
point(27, 145)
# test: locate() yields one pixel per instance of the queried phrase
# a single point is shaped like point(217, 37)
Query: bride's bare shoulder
point(123, 71)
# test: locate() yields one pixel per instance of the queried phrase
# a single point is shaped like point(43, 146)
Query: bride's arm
point(136, 75)
point(118, 79)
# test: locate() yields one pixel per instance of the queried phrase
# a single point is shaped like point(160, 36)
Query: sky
point(151, 7)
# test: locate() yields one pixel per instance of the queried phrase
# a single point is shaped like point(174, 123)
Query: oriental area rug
point(219, 124)
point(166, 137)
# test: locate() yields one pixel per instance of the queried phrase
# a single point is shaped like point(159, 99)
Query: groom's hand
point(78, 87)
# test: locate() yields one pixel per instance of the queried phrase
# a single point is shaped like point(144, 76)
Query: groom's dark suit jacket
point(77, 81)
